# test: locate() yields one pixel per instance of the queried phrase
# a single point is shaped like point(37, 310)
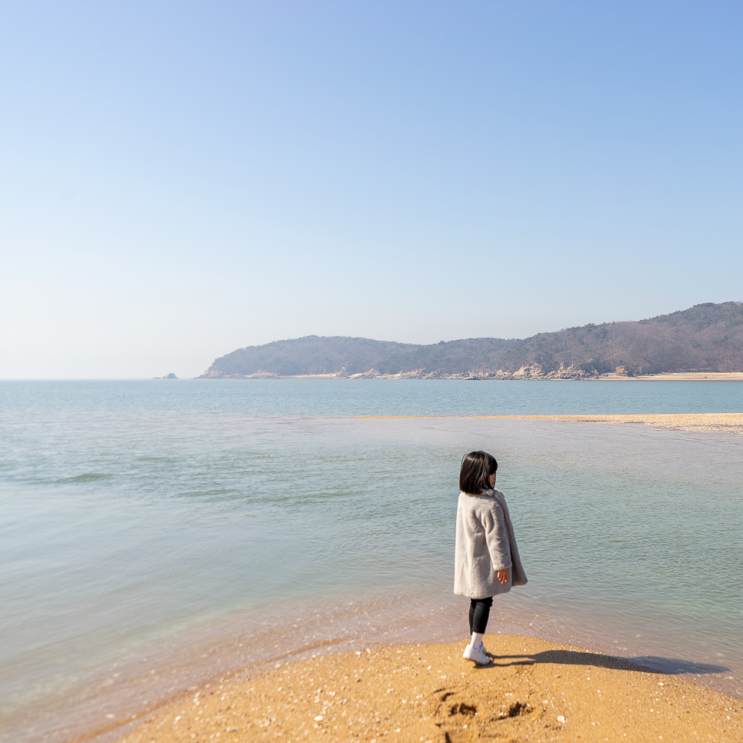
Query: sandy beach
point(718, 422)
point(677, 377)
point(532, 691)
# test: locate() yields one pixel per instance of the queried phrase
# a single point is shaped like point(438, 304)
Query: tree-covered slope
point(707, 337)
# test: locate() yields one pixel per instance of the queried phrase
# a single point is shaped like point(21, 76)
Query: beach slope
point(533, 691)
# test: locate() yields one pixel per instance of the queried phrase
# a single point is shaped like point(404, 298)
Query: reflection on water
point(129, 542)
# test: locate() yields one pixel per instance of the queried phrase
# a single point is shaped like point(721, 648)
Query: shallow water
point(142, 520)
point(292, 398)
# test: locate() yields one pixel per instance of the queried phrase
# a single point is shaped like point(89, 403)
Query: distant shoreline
point(478, 376)
point(678, 377)
point(706, 336)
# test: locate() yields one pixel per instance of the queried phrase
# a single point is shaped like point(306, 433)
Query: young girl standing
point(487, 559)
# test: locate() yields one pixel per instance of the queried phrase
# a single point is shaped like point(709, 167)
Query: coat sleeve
point(496, 535)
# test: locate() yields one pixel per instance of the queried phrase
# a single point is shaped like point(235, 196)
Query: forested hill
point(707, 337)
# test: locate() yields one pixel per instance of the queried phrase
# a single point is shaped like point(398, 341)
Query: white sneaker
point(477, 655)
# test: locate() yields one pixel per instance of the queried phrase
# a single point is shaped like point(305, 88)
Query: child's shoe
point(476, 655)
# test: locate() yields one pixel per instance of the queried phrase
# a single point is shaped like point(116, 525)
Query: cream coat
point(485, 545)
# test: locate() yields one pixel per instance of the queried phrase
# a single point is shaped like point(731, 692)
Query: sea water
point(170, 529)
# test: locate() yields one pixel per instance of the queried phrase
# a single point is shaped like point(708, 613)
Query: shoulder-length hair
point(477, 466)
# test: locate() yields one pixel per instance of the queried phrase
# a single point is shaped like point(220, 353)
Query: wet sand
point(717, 422)
point(533, 690)
point(116, 703)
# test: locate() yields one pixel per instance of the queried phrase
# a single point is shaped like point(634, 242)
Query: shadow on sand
point(646, 663)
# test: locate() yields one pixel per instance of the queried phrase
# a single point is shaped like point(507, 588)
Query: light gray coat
point(485, 544)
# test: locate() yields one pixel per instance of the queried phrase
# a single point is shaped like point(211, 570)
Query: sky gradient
point(181, 179)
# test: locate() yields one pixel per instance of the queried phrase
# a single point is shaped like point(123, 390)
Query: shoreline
point(560, 624)
point(676, 377)
point(522, 375)
point(155, 682)
point(711, 422)
point(158, 675)
point(532, 690)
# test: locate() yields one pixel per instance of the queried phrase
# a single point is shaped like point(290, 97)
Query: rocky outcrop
point(534, 371)
point(371, 374)
point(216, 374)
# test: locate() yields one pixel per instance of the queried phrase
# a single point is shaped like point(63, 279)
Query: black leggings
point(479, 614)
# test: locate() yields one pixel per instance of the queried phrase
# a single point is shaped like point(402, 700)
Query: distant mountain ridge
point(705, 338)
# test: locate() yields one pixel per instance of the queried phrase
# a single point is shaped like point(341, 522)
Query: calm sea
point(155, 533)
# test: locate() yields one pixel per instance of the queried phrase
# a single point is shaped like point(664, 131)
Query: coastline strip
point(719, 422)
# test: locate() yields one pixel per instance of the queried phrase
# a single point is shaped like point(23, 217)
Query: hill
point(706, 338)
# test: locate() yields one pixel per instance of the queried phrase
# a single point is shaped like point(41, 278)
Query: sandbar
point(720, 422)
point(533, 690)
point(676, 377)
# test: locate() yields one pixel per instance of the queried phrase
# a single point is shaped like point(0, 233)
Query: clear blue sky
point(180, 179)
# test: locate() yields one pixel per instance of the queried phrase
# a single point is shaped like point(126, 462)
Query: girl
point(487, 559)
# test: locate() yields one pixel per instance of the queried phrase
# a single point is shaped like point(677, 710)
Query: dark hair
point(477, 466)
